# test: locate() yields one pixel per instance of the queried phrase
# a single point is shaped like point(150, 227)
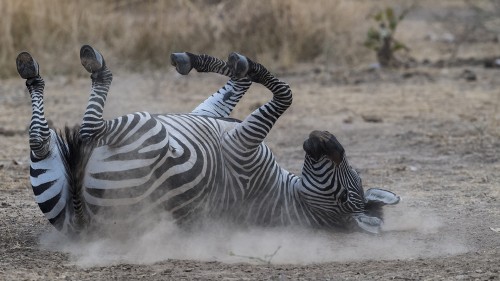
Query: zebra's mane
point(75, 154)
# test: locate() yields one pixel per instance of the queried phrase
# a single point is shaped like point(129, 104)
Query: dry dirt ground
point(427, 134)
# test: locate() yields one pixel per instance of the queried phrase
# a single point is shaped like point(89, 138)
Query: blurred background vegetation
point(140, 34)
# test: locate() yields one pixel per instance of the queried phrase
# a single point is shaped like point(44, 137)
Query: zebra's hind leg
point(251, 132)
point(222, 102)
point(39, 132)
point(93, 125)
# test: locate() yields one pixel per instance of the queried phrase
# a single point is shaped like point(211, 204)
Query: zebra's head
point(337, 187)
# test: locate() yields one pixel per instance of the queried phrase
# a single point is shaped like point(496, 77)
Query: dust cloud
point(408, 233)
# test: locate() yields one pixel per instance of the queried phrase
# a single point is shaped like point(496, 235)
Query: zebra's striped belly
point(175, 164)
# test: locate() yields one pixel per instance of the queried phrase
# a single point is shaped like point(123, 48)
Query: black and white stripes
point(39, 130)
point(93, 126)
point(191, 165)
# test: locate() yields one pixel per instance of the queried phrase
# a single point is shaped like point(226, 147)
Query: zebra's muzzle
point(323, 143)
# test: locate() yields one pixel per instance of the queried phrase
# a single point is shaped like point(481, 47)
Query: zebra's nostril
point(311, 148)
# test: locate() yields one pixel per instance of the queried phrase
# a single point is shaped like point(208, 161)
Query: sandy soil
point(427, 134)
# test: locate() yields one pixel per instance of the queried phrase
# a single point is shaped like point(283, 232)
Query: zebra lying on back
point(193, 166)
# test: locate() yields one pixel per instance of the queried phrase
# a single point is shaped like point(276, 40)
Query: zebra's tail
point(76, 154)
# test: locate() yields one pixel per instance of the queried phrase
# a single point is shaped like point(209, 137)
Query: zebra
point(193, 166)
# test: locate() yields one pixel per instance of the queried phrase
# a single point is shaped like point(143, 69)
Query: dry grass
point(142, 33)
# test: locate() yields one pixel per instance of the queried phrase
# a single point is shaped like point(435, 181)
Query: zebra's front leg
point(93, 125)
point(222, 102)
point(39, 132)
point(251, 132)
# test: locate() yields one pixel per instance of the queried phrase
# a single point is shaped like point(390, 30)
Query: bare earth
point(432, 137)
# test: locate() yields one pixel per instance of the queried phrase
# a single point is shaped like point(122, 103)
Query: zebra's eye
point(343, 196)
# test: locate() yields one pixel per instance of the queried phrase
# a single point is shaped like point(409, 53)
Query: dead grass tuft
point(142, 33)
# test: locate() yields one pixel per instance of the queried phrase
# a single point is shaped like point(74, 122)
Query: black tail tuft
point(76, 154)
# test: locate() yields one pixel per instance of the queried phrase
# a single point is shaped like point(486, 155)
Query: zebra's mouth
point(323, 143)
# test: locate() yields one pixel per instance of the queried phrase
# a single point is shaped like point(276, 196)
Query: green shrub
point(381, 39)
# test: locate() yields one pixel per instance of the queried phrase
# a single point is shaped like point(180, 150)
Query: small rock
point(468, 75)
point(492, 63)
point(400, 168)
point(17, 163)
point(371, 118)
point(497, 230)
point(348, 120)
point(407, 75)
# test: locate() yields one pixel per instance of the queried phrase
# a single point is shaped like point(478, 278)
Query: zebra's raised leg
point(39, 132)
point(93, 125)
point(47, 168)
point(222, 102)
point(251, 132)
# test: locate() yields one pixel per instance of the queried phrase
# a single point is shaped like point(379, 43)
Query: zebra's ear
point(381, 196)
point(368, 224)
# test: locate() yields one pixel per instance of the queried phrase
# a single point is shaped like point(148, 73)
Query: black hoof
point(91, 59)
point(27, 67)
point(238, 65)
point(181, 62)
